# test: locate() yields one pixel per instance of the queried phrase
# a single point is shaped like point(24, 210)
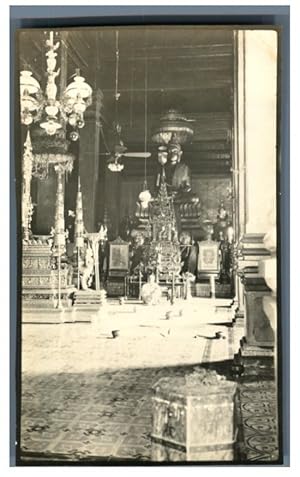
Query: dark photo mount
point(201, 71)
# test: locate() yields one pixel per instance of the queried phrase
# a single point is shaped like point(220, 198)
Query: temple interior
point(149, 166)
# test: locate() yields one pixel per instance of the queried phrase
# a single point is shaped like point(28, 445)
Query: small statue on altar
point(225, 247)
point(189, 278)
point(222, 221)
point(137, 251)
point(188, 252)
point(103, 252)
point(151, 292)
point(127, 225)
point(103, 232)
point(87, 269)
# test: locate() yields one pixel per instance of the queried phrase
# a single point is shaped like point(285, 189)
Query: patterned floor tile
point(135, 452)
point(84, 395)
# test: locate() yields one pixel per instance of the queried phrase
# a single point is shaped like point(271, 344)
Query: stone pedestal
point(268, 269)
point(256, 353)
point(255, 360)
point(39, 280)
point(258, 328)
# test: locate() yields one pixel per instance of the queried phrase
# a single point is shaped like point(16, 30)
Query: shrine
point(148, 245)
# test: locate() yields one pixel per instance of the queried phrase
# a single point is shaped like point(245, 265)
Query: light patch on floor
point(86, 394)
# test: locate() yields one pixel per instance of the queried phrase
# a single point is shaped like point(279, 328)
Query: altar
point(181, 266)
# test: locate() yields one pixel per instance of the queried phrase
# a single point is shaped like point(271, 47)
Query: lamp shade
point(28, 83)
point(115, 167)
point(78, 87)
point(51, 126)
point(145, 196)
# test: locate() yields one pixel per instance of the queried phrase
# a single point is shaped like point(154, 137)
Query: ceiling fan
point(119, 149)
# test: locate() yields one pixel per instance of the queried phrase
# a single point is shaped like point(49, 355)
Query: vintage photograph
point(149, 158)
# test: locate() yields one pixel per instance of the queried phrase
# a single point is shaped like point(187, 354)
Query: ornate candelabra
point(27, 206)
point(53, 113)
point(79, 230)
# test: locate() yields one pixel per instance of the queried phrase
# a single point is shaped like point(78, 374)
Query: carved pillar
point(59, 234)
point(27, 207)
point(59, 228)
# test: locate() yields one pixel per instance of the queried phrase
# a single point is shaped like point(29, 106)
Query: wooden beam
point(216, 84)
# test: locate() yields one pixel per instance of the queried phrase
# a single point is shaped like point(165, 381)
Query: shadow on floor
point(73, 417)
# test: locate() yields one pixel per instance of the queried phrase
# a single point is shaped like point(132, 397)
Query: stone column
point(238, 169)
point(255, 134)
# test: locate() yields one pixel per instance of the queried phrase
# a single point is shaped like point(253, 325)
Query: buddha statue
point(177, 174)
point(181, 177)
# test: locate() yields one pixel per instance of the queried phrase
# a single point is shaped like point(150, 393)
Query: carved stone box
point(193, 420)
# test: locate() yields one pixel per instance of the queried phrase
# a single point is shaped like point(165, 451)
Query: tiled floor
point(259, 431)
point(86, 395)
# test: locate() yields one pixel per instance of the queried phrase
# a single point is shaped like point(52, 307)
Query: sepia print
point(149, 245)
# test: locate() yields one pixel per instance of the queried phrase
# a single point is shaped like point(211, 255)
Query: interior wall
point(260, 103)
point(212, 190)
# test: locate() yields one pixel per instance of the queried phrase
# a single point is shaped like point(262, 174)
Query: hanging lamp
point(145, 196)
point(115, 166)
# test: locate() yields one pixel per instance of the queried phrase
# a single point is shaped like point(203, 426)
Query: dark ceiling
point(186, 68)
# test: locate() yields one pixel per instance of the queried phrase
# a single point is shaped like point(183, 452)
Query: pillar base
point(238, 319)
point(252, 360)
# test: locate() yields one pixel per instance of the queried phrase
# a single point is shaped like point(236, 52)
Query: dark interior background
point(186, 68)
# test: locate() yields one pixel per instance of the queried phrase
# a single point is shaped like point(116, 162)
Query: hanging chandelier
point(119, 149)
point(145, 196)
point(44, 107)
